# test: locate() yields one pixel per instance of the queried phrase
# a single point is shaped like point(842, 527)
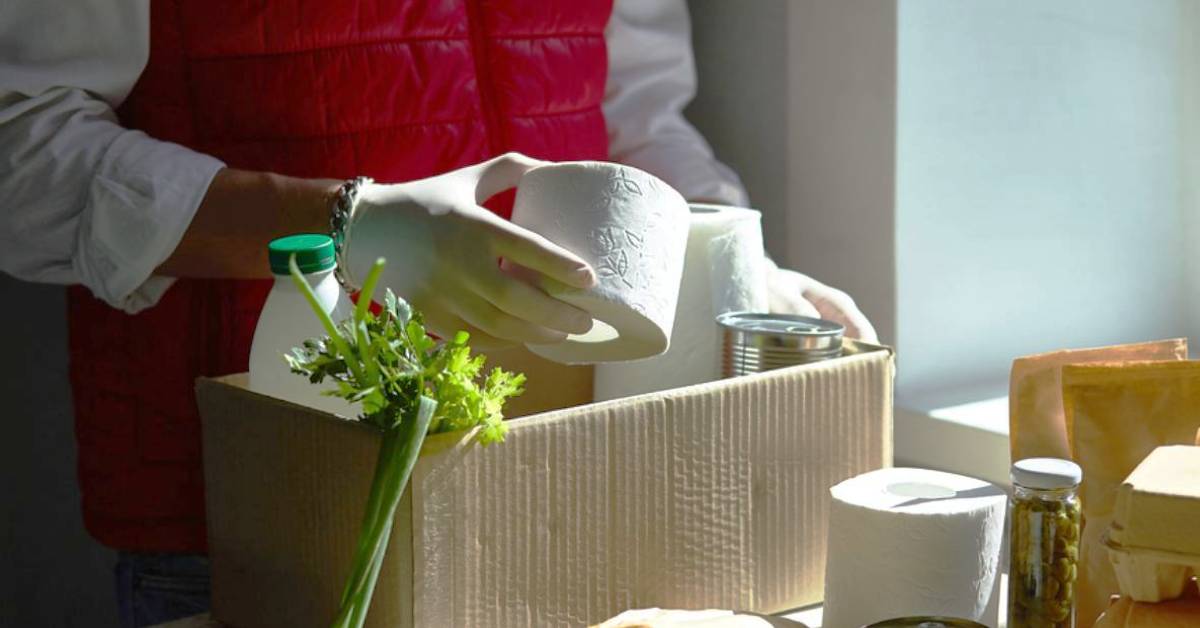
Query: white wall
point(1038, 184)
point(741, 104)
point(799, 98)
point(1189, 167)
point(841, 169)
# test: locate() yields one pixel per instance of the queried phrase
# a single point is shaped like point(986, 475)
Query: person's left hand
point(793, 293)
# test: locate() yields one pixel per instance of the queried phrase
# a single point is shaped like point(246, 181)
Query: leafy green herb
point(408, 386)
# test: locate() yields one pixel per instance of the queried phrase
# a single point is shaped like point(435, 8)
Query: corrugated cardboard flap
point(286, 488)
point(708, 496)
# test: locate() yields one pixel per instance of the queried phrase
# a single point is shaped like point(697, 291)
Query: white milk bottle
point(287, 320)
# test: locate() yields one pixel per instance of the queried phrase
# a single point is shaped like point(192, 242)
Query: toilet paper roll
point(906, 542)
point(723, 271)
point(632, 228)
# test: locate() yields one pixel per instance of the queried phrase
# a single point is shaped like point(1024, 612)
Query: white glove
point(443, 252)
point(793, 293)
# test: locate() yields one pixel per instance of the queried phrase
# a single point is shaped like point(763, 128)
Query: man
point(149, 152)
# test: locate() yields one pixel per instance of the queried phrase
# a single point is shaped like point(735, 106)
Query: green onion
point(408, 386)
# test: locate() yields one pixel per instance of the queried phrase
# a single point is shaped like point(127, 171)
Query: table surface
point(810, 617)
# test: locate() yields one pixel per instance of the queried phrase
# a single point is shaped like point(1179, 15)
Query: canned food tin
point(755, 342)
point(926, 622)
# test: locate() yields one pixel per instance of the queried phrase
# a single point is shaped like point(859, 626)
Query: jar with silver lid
point(755, 342)
point(1043, 543)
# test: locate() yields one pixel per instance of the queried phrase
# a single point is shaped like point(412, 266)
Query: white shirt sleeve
point(651, 78)
point(83, 200)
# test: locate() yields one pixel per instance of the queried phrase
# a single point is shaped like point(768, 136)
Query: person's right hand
point(443, 253)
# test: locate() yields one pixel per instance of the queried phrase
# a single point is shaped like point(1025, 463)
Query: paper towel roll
point(908, 542)
point(632, 228)
point(723, 271)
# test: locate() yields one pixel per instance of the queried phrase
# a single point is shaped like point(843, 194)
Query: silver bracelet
point(339, 224)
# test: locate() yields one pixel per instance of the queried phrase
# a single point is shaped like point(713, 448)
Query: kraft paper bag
point(1037, 427)
point(1120, 414)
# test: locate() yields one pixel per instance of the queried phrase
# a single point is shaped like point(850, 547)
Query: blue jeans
point(157, 588)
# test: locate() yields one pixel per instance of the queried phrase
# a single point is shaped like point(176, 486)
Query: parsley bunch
point(408, 385)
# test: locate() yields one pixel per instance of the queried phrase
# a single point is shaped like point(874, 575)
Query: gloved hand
point(793, 293)
point(443, 250)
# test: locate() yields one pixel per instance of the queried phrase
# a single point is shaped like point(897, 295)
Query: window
point(987, 179)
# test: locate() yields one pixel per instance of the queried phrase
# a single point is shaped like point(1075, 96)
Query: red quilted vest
point(393, 89)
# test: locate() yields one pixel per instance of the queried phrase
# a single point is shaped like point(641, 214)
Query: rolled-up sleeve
point(651, 78)
point(83, 199)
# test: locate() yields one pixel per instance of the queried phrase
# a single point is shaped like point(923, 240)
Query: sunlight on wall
point(1038, 184)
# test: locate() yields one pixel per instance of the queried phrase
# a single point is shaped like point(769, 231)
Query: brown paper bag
point(1120, 413)
point(1036, 424)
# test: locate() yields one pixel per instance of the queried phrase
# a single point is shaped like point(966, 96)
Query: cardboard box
point(713, 495)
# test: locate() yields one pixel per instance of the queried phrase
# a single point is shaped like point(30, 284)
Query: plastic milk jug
point(287, 320)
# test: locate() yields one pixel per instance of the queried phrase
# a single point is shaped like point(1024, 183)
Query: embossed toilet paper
point(723, 271)
point(632, 228)
point(908, 542)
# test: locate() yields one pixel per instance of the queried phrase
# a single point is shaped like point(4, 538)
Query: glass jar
point(1043, 543)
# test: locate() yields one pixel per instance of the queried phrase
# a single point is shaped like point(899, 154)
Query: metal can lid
point(801, 333)
point(1046, 473)
point(926, 622)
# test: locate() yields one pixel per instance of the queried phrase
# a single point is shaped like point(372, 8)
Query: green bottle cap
point(314, 253)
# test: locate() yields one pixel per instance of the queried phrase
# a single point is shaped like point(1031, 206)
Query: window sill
point(969, 439)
